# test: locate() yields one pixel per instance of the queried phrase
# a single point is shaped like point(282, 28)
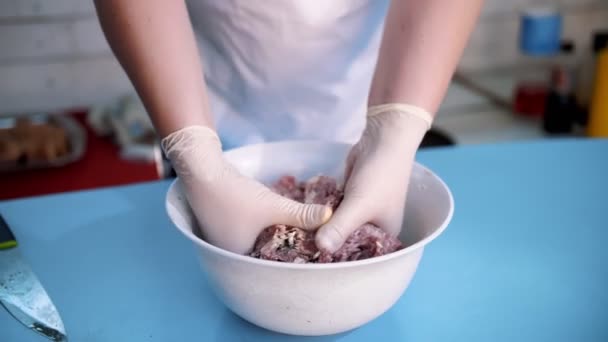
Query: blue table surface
point(524, 259)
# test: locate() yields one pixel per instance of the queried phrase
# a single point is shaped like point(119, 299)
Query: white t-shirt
point(288, 69)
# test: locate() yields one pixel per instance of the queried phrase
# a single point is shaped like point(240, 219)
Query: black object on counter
point(436, 138)
point(560, 113)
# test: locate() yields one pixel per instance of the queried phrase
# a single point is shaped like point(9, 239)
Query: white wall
point(53, 54)
point(495, 40)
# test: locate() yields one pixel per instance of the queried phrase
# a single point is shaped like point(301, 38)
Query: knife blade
point(21, 292)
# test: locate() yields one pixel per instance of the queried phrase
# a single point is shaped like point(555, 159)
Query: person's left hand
point(377, 173)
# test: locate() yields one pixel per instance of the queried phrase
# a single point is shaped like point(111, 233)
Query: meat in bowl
point(292, 244)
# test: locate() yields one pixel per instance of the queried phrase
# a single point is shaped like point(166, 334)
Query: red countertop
point(100, 166)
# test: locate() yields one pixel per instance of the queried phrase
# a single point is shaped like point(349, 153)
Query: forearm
point(154, 42)
point(422, 43)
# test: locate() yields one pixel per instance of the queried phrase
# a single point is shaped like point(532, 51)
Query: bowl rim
point(317, 266)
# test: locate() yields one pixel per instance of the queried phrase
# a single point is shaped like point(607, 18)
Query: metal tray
point(76, 139)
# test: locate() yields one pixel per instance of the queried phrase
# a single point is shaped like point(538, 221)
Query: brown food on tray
point(295, 245)
point(28, 141)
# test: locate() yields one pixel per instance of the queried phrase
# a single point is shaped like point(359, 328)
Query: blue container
point(540, 33)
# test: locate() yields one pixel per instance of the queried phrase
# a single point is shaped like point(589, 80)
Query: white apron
point(288, 69)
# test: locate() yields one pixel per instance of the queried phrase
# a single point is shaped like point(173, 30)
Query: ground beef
point(292, 244)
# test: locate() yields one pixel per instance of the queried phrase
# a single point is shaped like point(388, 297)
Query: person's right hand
point(231, 209)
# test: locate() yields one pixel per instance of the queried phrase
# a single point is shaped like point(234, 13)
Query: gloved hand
point(377, 173)
point(231, 209)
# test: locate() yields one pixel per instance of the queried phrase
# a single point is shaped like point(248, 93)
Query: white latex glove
point(377, 173)
point(231, 209)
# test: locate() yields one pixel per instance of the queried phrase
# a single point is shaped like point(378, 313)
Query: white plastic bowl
point(315, 299)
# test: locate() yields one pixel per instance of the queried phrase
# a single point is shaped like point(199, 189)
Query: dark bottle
point(561, 107)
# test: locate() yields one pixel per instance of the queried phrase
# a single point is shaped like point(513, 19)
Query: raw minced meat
point(292, 244)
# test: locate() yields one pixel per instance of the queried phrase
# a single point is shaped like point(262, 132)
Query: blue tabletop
point(524, 259)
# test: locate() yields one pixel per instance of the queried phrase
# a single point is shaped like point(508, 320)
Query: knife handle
point(7, 239)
